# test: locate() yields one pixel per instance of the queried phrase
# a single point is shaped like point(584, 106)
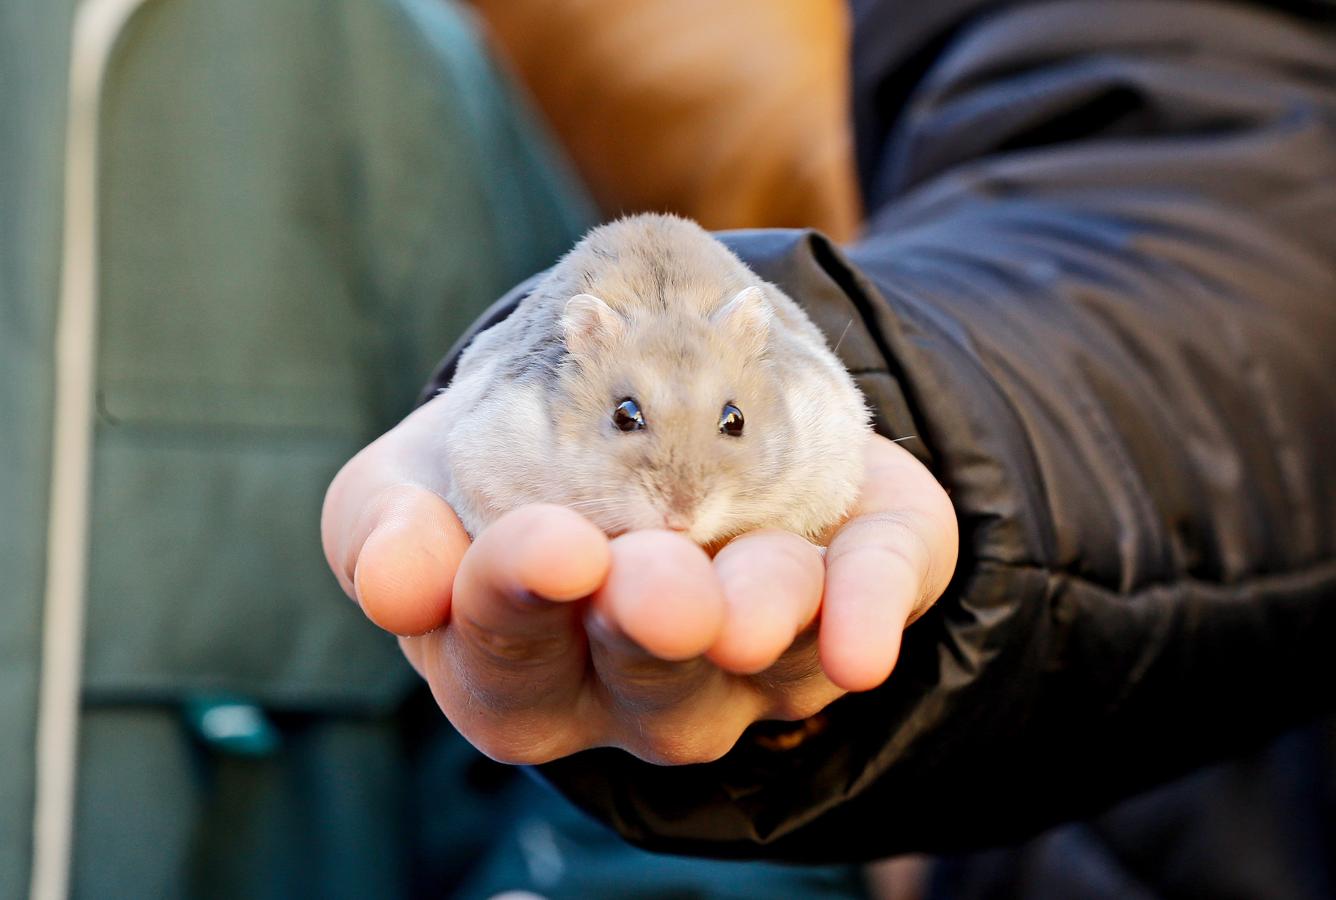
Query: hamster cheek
point(611, 502)
point(503, 455)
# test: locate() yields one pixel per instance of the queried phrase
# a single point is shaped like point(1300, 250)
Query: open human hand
point(544, 637)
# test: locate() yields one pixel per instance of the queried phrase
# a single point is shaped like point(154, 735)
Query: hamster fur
point(653, 309)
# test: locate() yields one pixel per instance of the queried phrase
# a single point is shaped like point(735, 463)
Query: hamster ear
point(747, 315)
point(588, 323)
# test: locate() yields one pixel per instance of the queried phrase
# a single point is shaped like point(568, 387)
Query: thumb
point(393, 545)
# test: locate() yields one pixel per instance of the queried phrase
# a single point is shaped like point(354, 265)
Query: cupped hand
point(543, 637)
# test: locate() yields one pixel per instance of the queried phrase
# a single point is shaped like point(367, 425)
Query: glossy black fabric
point(1100, 288)
point(1263, 826)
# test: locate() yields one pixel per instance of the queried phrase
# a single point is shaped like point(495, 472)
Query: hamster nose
point(678, 506)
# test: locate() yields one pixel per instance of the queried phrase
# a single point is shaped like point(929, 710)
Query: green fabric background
point(303, 202)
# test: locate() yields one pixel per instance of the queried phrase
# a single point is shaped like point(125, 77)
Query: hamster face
point(653, 430)
point(674, 422)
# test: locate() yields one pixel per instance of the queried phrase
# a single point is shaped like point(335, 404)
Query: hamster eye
point(627, 416)
point(730, 421)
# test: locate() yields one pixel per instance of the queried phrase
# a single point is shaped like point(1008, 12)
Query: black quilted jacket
point(1099, 285)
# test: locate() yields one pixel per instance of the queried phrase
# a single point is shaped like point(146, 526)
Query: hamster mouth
point(677, 526)
point(711, 548)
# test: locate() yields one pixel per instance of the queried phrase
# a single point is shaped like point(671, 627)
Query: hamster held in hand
point(651, 380)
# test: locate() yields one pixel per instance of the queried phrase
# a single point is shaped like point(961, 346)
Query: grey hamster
point(652, 380)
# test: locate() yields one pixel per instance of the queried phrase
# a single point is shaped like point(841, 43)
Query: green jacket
point(301, 204)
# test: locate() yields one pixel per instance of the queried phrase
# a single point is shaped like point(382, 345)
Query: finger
point(404, 569)
point(515, 638)
point(510, 669)
point(872, 583)
point(898, 486)
point(667, 713)
point(772, 583)
point(637, 682)
point(885, 566)
point(531, 732)
point(541, 550)
point(346, 514)
point(390, 484)
point(661, 608)
point(663, 594)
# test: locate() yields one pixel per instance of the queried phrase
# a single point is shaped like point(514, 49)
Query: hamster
point(652, 380)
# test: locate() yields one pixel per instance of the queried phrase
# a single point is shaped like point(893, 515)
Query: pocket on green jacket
point(207, 574)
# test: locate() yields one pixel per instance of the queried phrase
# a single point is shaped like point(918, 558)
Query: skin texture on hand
point(544, 637)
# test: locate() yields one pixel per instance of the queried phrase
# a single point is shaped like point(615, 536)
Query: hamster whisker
point(599, 503)
point(836, 348)
point(908, 437)
point(609, 511)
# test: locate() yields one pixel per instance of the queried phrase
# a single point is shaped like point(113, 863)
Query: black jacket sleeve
point(1100, 289)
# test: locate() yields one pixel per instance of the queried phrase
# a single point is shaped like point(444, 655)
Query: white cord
point(97, 24)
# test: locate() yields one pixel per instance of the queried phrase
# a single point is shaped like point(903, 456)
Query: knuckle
point(647, 685)
point(500, 680)
point(520, 743)
point(796, 709)
point(798, 666)
point(515, 651)
point(802, 701)
point(686, 744)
